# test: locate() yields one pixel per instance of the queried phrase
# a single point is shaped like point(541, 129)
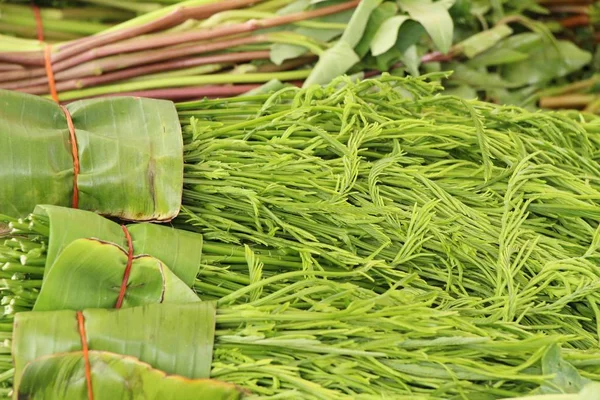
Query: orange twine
point(86, 355)
point(38, 22)
point(39, 25)
point(127, 268)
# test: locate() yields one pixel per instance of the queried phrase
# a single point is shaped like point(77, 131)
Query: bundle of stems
point(177, 52)
point(315, 335)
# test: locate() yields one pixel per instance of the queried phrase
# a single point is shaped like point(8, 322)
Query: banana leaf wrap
point(113, 376)
point(180, 250)
point(130, 156)
point(174, 338)
point(89, 274)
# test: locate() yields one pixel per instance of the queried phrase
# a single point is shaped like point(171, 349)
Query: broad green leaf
point(280, 52)
point(477, 79)
point(565, 379)
point(434, 17)
point(333, 62)
point(175, 338)
point(130, 151)
point(180, 250)
point(482, 41)
point(545, 63)
point(378, 16)
point(113, 376)
point(88, 274)
point(512, 49)
point(358, 23)
point(341, 57)
point(411, 60)
point(410, 32)
point(387, 35)
point(462, 9)
point(522, 42)
point(497, 57)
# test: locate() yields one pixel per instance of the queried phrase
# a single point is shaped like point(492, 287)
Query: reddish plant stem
point(10, 67)
point(567, 101)
point(145, 70)
point(566, 2)
point(100, 66)
point(23, 58)
point(178, 94)
point(78, 46)
point(247, 27)
point(575, 21)
point(571, 9)
point(436, 56)
point(179, 15)
point(170, 39)
point(128, 60)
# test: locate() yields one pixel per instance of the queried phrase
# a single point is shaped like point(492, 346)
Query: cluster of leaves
point(499, 50)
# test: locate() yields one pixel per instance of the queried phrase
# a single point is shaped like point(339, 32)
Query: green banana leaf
point(89, 273)
point(175, 338)
point(113, 376)
point(130, 151)
point(180, 250)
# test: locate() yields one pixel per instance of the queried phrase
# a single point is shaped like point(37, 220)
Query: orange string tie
point(86, 355)
point(50, 72)
point(127, 268)
point(75, 154)
point(39, 25)
point(38, 22)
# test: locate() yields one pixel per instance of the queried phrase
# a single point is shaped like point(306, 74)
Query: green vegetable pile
point(379, 239)
point(494, 208)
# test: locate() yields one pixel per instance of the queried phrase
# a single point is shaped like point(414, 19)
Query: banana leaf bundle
point(203, 48)
point(118, 148)
point(291, 340)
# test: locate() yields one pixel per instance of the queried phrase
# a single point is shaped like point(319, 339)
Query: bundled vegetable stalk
point(215, 49)
point(70, 19)
point(195, 43)
point(290, 334)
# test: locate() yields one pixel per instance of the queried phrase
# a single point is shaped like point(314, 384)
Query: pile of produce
point(507, 52)
point(363, 240)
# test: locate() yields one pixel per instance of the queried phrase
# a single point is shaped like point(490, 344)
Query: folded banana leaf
point(174, 338)
point(113, 376)
point(89, 274)
point(130, 155)
point(180, 250)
